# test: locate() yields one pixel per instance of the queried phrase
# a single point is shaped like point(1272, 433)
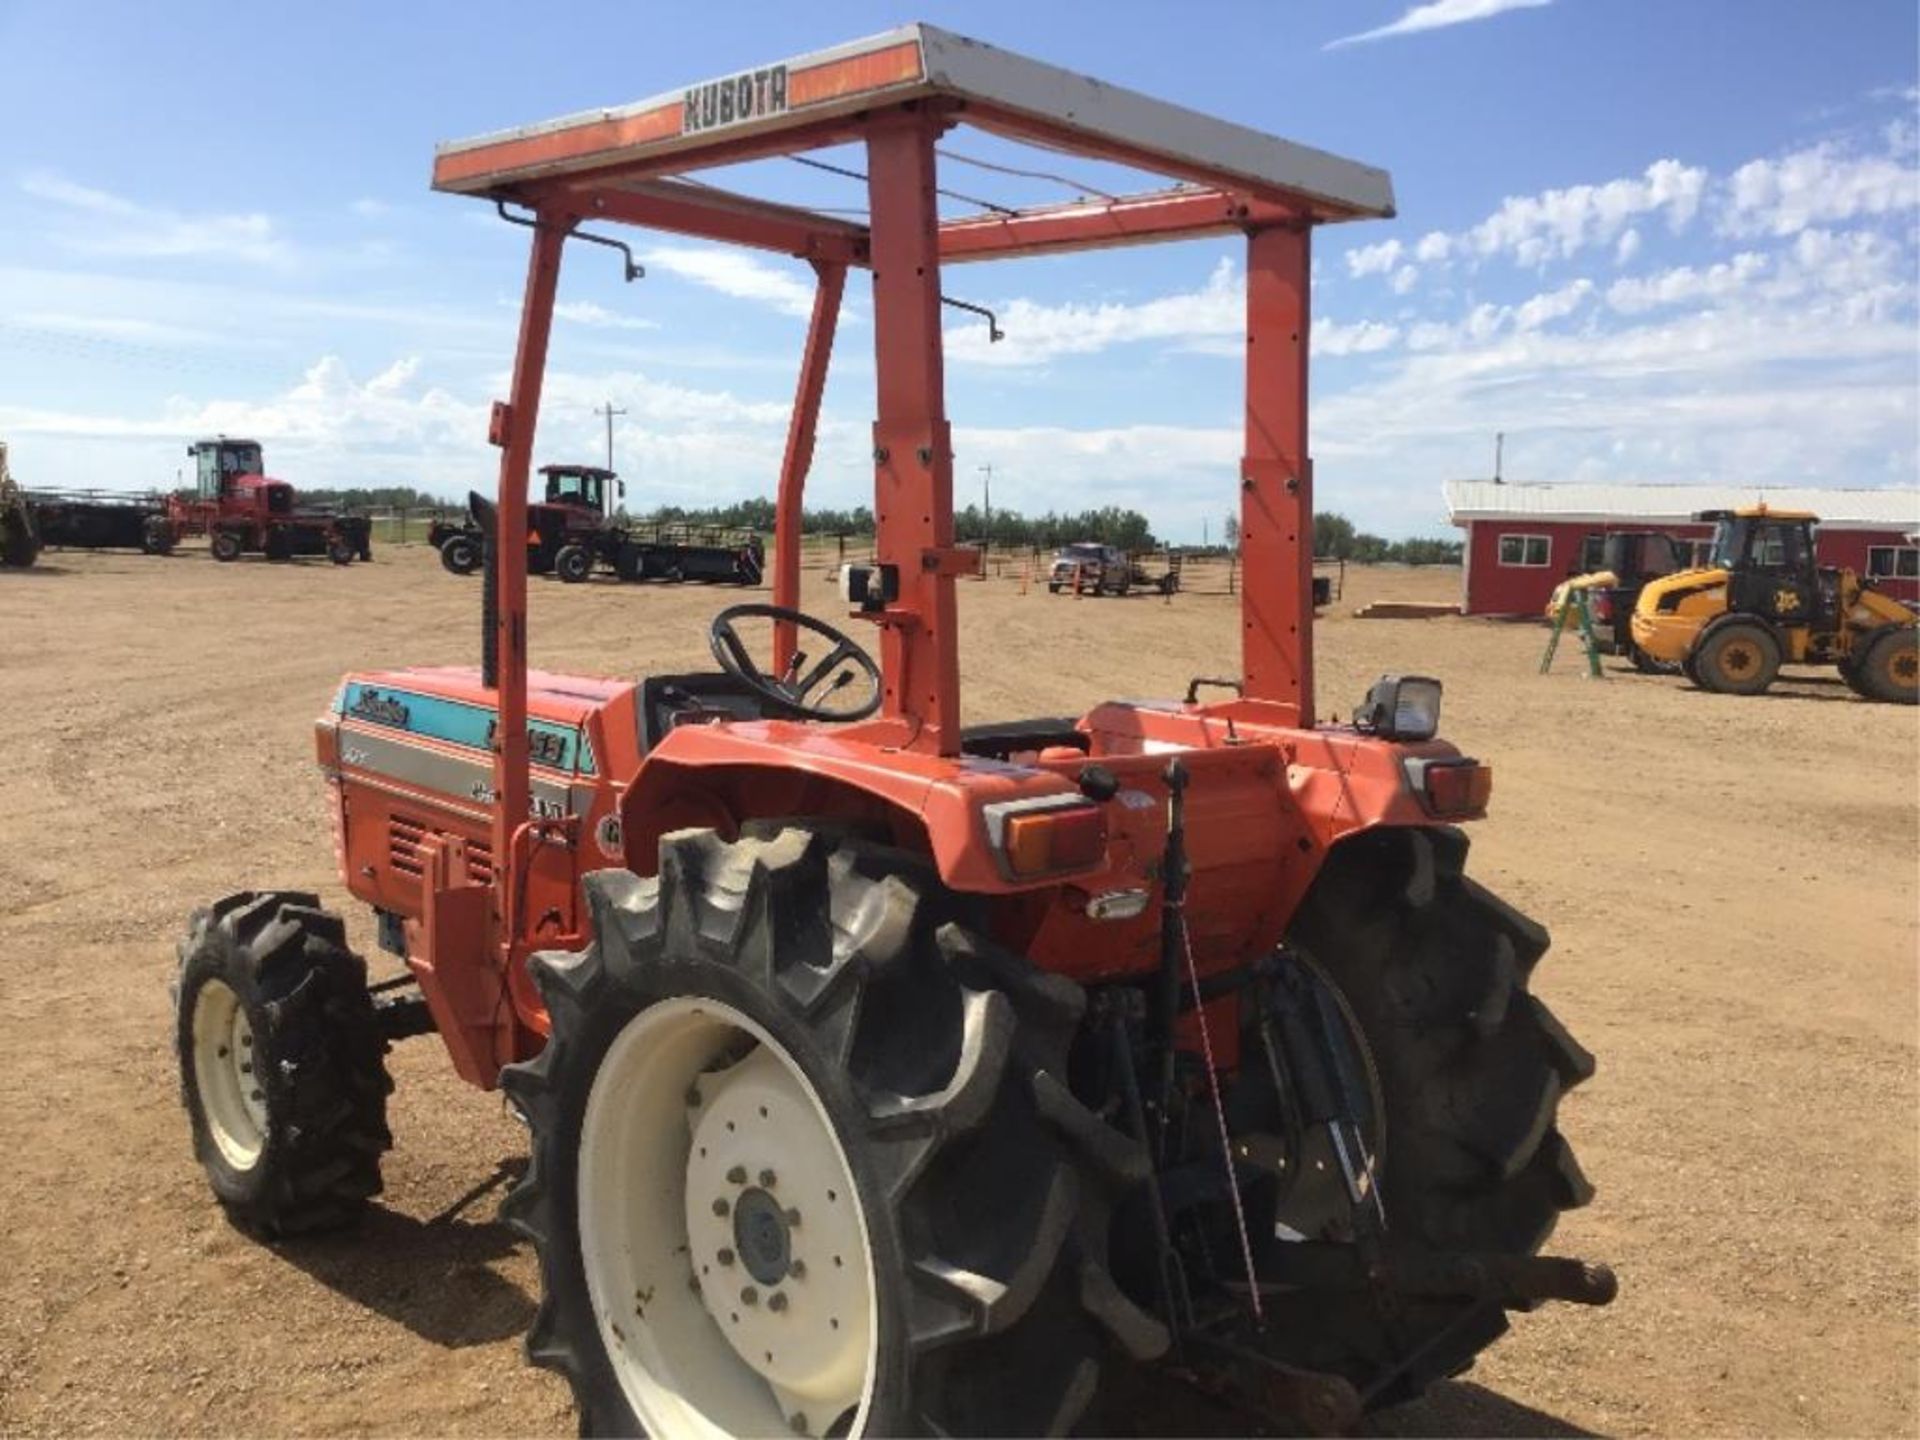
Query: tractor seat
point(1000, 739)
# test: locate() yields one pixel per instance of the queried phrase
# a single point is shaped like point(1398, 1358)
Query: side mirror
point(620, 488)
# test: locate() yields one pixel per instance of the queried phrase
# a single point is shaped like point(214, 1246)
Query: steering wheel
point(799, 694)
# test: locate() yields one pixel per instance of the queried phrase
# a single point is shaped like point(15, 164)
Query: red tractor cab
point(241, 509)
point(575, 531)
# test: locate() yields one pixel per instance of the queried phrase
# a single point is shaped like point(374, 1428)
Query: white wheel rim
point(232, 1097)
point(708, 1167)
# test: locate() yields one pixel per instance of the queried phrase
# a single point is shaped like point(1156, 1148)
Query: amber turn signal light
point(1046, 842)
point(1459, 787)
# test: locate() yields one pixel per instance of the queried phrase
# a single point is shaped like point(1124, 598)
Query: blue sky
point(1658, 240)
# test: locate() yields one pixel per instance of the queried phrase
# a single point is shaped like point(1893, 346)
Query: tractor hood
point(1669, 590)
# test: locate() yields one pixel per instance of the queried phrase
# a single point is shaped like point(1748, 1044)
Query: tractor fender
point(723, 776)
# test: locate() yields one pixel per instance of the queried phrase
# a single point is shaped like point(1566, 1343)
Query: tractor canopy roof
point(618, 163)
point(591, 472)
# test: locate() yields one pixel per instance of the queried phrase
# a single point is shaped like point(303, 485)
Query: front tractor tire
point(282, 1063)
point(1736, 658)
point(460, 553)
point(1470, 1069)
point(574, 564)
point(226, 546)
point(804, 1161)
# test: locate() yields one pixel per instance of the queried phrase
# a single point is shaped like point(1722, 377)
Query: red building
point(1522, 540)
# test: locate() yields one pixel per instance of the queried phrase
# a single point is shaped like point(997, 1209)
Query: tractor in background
point(575, 514)
point(241, 510)
point(575, 532)
point(888, 1076)
point(1764, 601)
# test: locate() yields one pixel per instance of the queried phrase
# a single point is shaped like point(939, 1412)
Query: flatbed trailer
point(573, 533)
point(673, 551)
point(102, 520)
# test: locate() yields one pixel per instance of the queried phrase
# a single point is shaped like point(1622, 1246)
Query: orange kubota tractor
point(887, 1076)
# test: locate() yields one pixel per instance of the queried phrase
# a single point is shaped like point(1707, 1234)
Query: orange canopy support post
point(799, 457)
point(912, 445)
point(1276, 477)
point(513, 429)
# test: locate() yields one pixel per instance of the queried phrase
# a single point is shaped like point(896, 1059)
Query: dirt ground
point(1731, 885)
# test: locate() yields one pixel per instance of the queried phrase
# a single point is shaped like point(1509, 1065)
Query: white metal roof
point(1894, 508)
point(996, 85)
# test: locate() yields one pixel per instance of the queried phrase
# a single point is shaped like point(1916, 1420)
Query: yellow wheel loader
point(1763, 602)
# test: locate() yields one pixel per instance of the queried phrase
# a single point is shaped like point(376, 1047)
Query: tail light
point(1451, 787)
point(1047, 837)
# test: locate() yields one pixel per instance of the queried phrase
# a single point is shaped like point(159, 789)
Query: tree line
point(1334, 536)
point(1003, 529)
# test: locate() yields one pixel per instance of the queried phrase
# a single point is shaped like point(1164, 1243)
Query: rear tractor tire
point(1889, 666)
point(341, 551)
point(804, 1161)
point(1741, 658)
point(573, 564)
point(282, 1063)
point(1469, 1070)
point(19, 546)
point(460, 553)
point(226, 546)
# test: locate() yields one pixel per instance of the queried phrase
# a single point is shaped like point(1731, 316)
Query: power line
point(860, 175)
point(1026, 174)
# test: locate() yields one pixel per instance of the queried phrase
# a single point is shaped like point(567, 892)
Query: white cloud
point(1373, 259)
point(368, 208)
point(1685, 284)
point(1819, 185)
point(1437, 15)
point(585, 312)
point(118, 226)
point(731, 273)
point(1553, 305)
point(1404, 279)
point(1363, 337)
point(1534, 228)
point(1037, 333)
point(1554, 224)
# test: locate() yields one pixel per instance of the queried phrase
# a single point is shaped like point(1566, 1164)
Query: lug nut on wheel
point(777, 1301)
point(767, 1180)
point(725, 1257)
point(737, 1175)
point(749, 1296)
point(720, 1206)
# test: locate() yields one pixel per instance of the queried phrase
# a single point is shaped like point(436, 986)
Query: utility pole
point(1499, 447)
point(608, 411)
point(987, 493)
